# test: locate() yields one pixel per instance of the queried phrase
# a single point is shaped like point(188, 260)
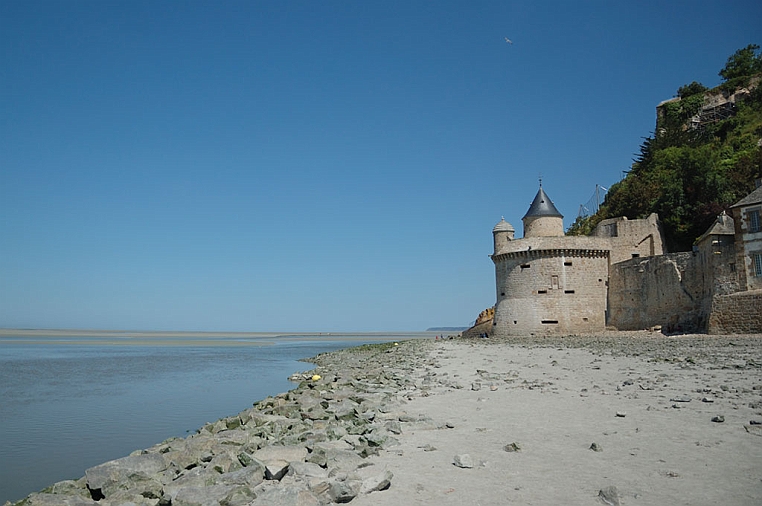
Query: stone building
point(620, 276)
point(550, 283)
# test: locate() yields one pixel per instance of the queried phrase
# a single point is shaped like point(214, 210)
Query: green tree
point(691, 89)
point(688, 174)
point(744, 63)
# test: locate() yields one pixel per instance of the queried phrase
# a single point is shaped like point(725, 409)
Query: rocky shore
point(636, 418)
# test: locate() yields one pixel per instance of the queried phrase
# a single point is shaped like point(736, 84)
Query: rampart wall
point(665, 290)
point(737, 313)
point(675, 290)
point(631, 238)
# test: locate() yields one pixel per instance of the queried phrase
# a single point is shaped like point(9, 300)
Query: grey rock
point(307, 470)
point(342, 460)
point(130, 472)
point(512, 447)
point(286, 496)
point(225, 462)
point(45, 499)
point(609, 495)
point(683, 398)
point(202, 496)
point(718, 419)
point(463, 460)
point(393, 426)
point(621, 414)
point(344, 491)
point(276, 469)
point(249, 476)
point(374, 480)
point(129, 499)
point(476, 386)
point(596, 447)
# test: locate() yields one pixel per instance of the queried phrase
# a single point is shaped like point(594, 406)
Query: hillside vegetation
point(697, 163)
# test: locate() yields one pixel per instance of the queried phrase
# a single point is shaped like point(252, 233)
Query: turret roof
point(503, 226)
point(542, 206)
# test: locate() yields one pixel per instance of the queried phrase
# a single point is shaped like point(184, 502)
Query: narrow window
point(635, 255)
point(758, 264)
point(567, 264)
point(554, 282)
point(549, 322)
point(584, 318)
point(568, 291)
point(755, 224)
point(525, 266)
point(542, 291)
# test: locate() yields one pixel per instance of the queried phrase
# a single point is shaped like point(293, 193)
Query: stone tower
point(546, 282)
point(543, 219)
point(502, 234)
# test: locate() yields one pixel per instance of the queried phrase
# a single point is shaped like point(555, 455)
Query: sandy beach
point(646, 401)
point(619, 418)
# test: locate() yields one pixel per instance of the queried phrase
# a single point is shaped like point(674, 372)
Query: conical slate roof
point(542, 206)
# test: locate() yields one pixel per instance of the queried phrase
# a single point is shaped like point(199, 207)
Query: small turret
point(543, 219)
point(502, 234)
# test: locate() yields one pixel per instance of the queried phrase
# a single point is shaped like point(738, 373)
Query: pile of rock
point(304, 447)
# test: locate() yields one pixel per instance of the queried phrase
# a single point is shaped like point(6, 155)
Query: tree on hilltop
point(743, 64)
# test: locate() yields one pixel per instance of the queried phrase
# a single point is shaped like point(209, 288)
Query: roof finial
point(540, 179)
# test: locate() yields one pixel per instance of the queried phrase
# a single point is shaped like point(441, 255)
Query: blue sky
point(329, 166)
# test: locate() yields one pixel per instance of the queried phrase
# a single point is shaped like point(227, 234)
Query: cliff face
point(483, 324)
point(486, 315)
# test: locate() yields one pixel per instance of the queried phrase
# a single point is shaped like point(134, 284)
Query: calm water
point(69, 404)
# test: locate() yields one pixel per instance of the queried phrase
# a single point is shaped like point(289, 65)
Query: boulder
point(135, 472)
point(286, 496)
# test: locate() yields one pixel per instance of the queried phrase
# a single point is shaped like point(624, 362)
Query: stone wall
point(674, 290)
point(631, 238)
point(665, 290)
point(737, 313)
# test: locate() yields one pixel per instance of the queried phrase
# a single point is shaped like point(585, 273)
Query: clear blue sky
point(331, 166)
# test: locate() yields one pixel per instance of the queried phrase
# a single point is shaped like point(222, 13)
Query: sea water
point(67, 404)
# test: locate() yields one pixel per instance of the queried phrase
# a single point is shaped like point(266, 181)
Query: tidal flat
point(73, 399)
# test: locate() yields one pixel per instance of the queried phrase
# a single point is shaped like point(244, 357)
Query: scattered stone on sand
point(512, 447)
point(683, 398)
point(621, 414)
point(707, 399)
point(596, 447)
point(718, 419)
point(463, 460)
point(609, 496)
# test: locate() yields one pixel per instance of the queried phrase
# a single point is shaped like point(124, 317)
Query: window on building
point(755, 223)
point(757, 261)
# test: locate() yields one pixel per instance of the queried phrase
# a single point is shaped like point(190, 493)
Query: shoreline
point(384, 424)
